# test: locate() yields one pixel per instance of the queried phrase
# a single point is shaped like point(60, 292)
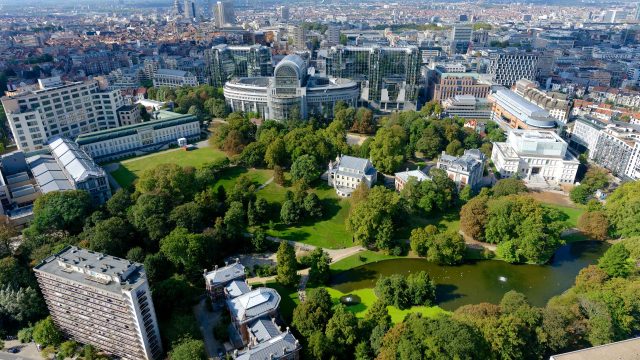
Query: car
point(13, 350)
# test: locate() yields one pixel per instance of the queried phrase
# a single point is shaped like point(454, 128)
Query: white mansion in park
point(347, 172)
point(536, 156)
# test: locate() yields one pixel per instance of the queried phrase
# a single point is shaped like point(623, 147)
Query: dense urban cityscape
point(260, 180)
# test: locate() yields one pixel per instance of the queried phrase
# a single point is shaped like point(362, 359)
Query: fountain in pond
point(502, 279)
point(350, 299)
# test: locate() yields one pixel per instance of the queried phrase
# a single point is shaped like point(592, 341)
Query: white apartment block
point(53, 107)
point(535, 156)
point(348, 172)
point(174, 78)
point(101, 300)
point(163, 129)
point(585, 134)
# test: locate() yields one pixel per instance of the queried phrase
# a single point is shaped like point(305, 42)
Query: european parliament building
point(290, 93)
point(389, 77)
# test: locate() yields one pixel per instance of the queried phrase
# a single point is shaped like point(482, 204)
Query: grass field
point(130, 170)
point(572, 212)
point(328, 232)
point(229, 176)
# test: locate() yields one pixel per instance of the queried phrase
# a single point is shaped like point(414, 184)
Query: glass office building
point(389, 77)
point(224, 62)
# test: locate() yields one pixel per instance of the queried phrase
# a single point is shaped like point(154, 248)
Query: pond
point(485, 280)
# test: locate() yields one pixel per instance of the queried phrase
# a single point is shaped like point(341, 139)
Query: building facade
point(129, 115)
point(225, 62)
point(536, 156)
point(53, 107)
point(585, 134)
point(174, 78)
point(291, 93)
point(557, 104)
point(510, 108)
point(401, 178)
point(165, 128)
point(64, 167)
point(448, 85)
point(101, 300)
point(464, 170)
point(467, 107)
point(508, 66)
point(389, 77)
point(618, 150)
point(256, 329)
point(348, 172)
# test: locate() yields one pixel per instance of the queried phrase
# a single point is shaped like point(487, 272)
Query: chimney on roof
point(226, 263)
point(204, 272)
point(215, 268)
point(235, 353)
point(237, 260)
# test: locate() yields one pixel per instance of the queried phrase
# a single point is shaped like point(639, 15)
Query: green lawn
point(368, 297)
point(328, 232)
point(449, 221)
point(572, 212)
point(288, 299)
point(227, 177)
point(129, 170)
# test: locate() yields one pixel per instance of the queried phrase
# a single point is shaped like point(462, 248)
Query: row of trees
point(404, 292)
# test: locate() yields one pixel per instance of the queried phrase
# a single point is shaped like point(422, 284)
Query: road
point(206, 321)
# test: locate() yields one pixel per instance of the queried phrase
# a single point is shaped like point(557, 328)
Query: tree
point(440, 247)
point(253, 154)
point(431, 142)
point(68, 348)
point(276, 153)
point(342, 330)
point(510, 186)
point(157, 267)
point(312, 205)
point(455, 148)
point(189, 216)
point(150, 215)
point(581, 194)
point(371, 220)
point(261, 209)
point(388, 148)
point(318, 347)
point(111, 236)
point(119, 203)
point(416, 289)
point(7, 234)
point(178, 184)
point(305, 169)
point(216, 108)
point(474, 216)
point(13, 274)
point(615, 261)
point(259, 241)
point(363, 121)
point(60, 210)
point(233, 143)
point(594, 224)
point(314, 313)
point(278, 175)
point(136, 254)
point(234, 220)
point(186, 250)
point(20, 305)
point(290, 212)
point(45, 333)
point(319, 272)
point(286, 265)
point(523, 228)
point(188, 349)
point(622, 210)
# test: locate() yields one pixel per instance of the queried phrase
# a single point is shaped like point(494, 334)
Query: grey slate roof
point(274, 348)
point(225, 274)
point(264, 329)
point(351, 162)
point(236, 288)
point(418, 174)
point(254, 304)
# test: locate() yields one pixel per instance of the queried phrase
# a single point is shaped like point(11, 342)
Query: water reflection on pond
point(483, 281)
